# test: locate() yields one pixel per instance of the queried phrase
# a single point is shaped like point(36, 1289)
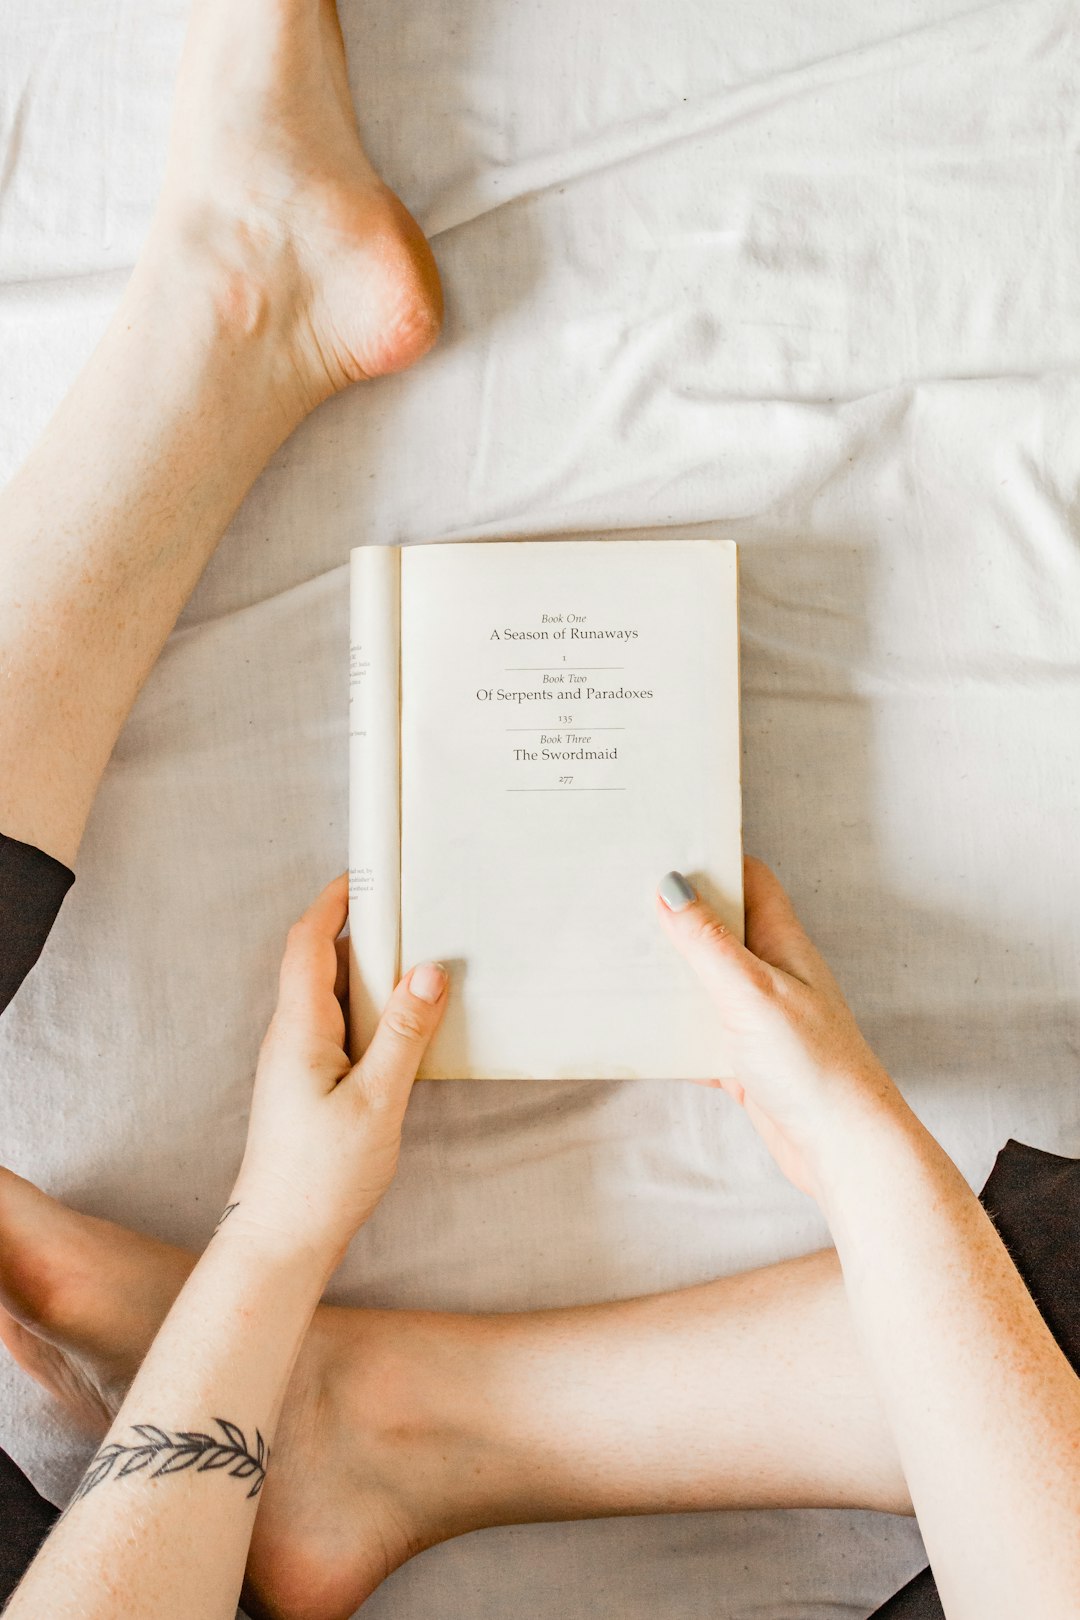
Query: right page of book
point(569, 733)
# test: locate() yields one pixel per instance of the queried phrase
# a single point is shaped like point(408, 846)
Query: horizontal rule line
point(580, 723)
point(566, 790)
point(543, 669)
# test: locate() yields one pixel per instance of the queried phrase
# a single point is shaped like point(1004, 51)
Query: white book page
point(374, 821)
point(570, 733)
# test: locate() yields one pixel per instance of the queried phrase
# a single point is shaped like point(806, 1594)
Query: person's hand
point(324, 1134)
point(799, 1061)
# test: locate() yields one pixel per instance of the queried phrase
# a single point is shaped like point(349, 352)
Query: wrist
point(859, 1141)
point(274, 1243)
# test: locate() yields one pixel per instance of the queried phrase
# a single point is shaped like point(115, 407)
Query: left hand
point(324, 1133)
point(801, 1067)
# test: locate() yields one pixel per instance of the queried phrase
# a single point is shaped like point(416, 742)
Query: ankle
point(229, 301)
point(399, 1385)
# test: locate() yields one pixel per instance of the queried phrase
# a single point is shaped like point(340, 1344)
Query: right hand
point(324, 1134)
point(799, 1059)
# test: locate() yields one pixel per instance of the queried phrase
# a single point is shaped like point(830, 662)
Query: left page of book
point(374, 774)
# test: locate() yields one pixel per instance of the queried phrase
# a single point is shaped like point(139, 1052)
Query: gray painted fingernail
point(675, 892)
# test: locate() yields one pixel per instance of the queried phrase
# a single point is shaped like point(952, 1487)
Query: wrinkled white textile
point(801, 274)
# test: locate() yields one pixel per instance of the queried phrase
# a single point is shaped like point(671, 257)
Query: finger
point(718, 957)
point(309, 966)
point(773, 931)
point(341, 976)
point(411, 1017)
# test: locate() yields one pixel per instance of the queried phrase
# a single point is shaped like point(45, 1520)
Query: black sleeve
point(32, 889)
point(25, 1521)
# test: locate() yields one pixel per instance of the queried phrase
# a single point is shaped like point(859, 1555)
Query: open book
point(539, 730)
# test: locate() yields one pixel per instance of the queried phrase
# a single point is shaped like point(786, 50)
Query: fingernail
point(675, 892)
point(428, 981)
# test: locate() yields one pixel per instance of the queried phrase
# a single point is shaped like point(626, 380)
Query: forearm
point(162, 1521)
point(105, 530)
point(984, 1408)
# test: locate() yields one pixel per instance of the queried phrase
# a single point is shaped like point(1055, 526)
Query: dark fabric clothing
point(1033, 1198)
point(32, 889)
point(918, 1600)
point(25, 1521)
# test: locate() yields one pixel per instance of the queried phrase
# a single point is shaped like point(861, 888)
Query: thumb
point(718, 957)
point(411, 1017)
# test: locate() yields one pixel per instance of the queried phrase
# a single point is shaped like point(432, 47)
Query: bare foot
point(355, 1484)
point(57, 1271)
point(267, 174)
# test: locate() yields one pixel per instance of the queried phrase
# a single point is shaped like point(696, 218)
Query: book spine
point(374, 787)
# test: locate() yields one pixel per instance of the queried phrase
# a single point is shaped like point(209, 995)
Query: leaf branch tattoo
point(226, 1212)
point(161, 1451)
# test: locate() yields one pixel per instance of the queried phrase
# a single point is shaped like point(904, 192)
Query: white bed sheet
point(804, 274)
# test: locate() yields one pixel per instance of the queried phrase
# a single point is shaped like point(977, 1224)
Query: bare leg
point(406, 1428)
point(278, 269)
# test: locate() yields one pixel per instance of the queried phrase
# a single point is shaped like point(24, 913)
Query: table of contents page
point(569, 732)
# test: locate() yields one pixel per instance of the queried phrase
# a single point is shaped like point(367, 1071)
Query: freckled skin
point(278, 269)
point(403, 1428)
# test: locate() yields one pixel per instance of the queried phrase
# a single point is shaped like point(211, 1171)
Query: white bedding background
point(802, 273)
